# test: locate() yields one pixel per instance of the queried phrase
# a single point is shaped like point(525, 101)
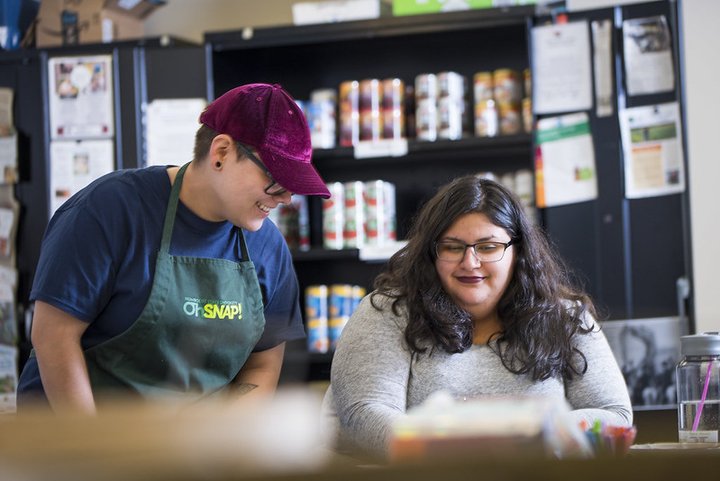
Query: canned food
point(527, 115)
point(509, 118)
point(426, 86)
point(450, 84)
point(316, 318)
point(354, 215)
point(393, 108)
point(370, 116)
point(483, 86)
point(349, 112)
point(333, 216)
point(486, 118)
point(450, 118)
point(527, 82)
point(340, 307)
point(426, 120)
point(506, 85)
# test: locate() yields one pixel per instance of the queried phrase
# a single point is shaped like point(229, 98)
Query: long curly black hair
point(541, 311)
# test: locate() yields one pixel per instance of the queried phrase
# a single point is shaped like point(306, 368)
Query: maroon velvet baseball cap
point(266, 118)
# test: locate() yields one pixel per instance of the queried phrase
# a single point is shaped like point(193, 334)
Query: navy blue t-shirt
point(98, 259)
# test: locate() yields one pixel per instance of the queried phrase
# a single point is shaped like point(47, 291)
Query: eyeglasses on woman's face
point(273, 188)
point(454, 251)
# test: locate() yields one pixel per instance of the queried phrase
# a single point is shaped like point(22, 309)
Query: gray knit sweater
point(375, 379)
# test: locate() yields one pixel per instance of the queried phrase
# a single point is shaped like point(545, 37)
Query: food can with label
point(316, 318)
point(354, 215)
point(349, 112)
point(426, 86)
point(340, 308)
point(486, 118)
point(527, 82)
point(333, 216)
point(380, 222)
point(393, 108)
point(450, 118)
point(426, 119)
point(483, 86)
point(370, 115)
point(506, 86)
point(509, 118)
point(321, 118)
point(527, 115)
point(450, 84)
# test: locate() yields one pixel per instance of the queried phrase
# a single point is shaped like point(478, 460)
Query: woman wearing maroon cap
point(167, 281)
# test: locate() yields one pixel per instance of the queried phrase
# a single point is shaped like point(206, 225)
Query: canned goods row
point(293, 222)
point(371, 109)
point(359, 214)
point(502, 85)
point(440, 106)
point(327, 311)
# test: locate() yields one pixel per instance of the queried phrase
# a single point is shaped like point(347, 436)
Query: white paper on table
point(648, 56)
point(81, 97)
point(561, 69)
point(565, 165)
point(170, 130)
point(652, 147)
point(74, 164)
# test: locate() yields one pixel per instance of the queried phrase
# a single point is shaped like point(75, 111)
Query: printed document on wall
point(648, 55)
point(652, 147)
point(81, 97)
point(171, 125)
point(561, 69)
point(74, 164)
point(564, 161)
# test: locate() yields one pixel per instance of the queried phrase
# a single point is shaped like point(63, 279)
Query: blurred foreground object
point(494, 426)
point(168, 441)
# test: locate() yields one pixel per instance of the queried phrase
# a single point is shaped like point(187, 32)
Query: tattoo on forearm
point(245, 388)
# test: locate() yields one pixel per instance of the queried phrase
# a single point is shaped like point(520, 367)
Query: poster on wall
point(170, 130)
point(565, 170)
point(647, 52)
point(652, 147)
point(74, 164)
point(561, 68)
point(81, 97)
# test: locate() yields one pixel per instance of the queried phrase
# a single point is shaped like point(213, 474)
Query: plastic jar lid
point(705, 344)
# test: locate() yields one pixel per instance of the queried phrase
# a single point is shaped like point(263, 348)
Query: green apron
point(200, 324)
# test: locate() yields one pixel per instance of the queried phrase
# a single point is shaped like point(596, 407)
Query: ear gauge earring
point(218, 164)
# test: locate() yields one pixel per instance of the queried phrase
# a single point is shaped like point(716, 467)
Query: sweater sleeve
point(369, 378)
point(601, 393)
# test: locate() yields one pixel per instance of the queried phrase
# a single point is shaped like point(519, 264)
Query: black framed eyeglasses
point(454, 251)
point(278, 189)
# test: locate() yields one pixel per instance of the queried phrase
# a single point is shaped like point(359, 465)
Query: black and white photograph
point(647, 351)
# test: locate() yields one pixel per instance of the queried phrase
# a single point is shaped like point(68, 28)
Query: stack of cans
point(359, 214)
point(327, 311)
point(349, 112)
point(440, 106)
point(316, 318)
point(393, 108)
point(320, 113)
point(380, 224)
point(334, 216)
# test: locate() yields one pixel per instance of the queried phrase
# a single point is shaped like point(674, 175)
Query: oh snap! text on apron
point(212, 309)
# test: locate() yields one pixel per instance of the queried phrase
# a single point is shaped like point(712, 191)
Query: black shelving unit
point(143, 70)
point(310, 57)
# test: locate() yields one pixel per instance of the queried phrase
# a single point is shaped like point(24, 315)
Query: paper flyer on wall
point(8, 379)
point(8, 317)
point(170, 130)
point(564, 161)
point(561, 68)
point(648, 57)
point(652, 148)
point(602, 61)
point(81, 97)
point(74, 164)
point(8, 138)
point(647, 351)
point(9, 213)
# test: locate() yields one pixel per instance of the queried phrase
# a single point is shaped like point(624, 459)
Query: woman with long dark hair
point(476, 304)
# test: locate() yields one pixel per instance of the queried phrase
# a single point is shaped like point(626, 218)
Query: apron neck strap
point(172, 210)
